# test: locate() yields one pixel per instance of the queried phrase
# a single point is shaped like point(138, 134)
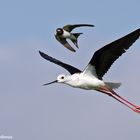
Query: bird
point(62, 34)
point(91, 78)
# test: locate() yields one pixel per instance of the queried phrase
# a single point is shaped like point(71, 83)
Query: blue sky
point(31, 111)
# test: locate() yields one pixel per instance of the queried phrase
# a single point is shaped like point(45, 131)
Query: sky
point(31, 111)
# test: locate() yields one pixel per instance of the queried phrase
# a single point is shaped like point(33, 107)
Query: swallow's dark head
point(59, 31)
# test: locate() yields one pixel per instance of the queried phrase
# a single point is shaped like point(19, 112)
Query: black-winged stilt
point(91, 76)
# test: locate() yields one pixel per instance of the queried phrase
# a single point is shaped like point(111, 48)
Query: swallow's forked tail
point(77, 34)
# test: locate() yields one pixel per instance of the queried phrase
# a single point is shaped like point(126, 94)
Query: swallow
point(62, 34)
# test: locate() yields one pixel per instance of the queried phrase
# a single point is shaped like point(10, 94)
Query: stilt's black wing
point(105, 57)
point(68, 67)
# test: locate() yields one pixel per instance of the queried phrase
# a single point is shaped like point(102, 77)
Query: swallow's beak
point(50, 83)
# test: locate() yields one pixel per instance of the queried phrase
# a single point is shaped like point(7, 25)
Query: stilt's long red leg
point(124, 99)
point(136, 108)
point(126, 102)
point(111, 95)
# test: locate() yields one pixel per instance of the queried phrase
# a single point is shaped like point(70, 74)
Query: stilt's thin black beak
point(50, 83)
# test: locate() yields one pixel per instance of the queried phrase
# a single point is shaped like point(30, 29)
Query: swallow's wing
point(64, 42)
point(70, 27)
point(68, 67)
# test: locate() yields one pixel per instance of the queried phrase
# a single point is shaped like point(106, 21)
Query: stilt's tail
point(113, 85)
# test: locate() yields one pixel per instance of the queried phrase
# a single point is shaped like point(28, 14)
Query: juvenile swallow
point(65, 33)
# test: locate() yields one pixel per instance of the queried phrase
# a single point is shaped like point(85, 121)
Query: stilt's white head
point(62, 78)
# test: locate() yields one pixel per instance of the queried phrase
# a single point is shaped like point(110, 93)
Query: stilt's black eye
point(62, 77)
